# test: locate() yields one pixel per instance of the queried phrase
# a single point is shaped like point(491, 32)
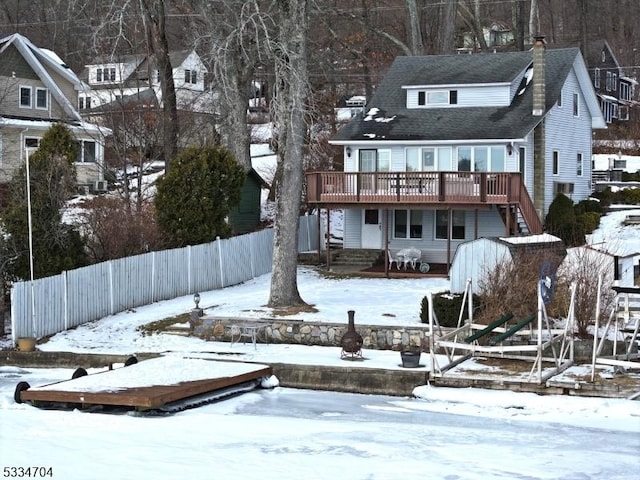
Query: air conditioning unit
point(100, 186)
point(566, 188)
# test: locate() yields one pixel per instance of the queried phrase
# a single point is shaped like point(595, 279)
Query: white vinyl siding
point(570, 136)
point(482, 96)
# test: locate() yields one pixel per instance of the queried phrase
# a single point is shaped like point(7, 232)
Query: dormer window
point(437, 97)
point(106, 74)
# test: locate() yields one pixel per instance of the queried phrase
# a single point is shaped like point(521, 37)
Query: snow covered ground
point(284, 433)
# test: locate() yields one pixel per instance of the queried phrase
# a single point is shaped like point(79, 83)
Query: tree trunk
point(534, 20)
point(291, 95)
point(233, 109)
point(518, 20)
point(415, 32)
point(155, 31)
point(447, 37)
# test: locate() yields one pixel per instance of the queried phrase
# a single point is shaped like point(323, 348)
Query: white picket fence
point(53, 304)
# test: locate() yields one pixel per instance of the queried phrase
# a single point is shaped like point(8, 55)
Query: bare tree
point(290, 56)
point(154, 19)
point(446, 39)
point(233, 33)
point(471, 14)
point(534, 20)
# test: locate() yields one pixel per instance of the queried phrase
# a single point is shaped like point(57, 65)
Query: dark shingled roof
point(456, 123)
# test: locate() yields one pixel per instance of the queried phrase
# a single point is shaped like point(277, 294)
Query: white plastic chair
point(394, 258)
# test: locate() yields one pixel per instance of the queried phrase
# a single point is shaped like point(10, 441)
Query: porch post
point(475, 224)
point(320, 234)
point(328, 235)
point(386, 243)
point(449, 235)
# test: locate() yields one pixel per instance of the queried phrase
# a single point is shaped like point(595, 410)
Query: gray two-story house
point(37, 90)
point(457, 147)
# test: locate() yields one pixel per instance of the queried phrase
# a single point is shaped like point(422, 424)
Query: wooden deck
point(424, 190)
point(147, 385)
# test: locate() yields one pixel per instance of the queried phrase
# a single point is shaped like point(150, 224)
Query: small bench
point(489, 328)
point(518, 326)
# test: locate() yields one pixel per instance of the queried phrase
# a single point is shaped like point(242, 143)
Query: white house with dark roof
point(453, 148)
point(37, 90)
point(135, 78)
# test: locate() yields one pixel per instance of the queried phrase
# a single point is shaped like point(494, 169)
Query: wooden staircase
point(361, 256)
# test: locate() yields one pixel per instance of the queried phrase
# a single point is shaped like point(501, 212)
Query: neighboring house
point(456, 147)
point(608, 170)
point(37, 90)
point(131, 83)
point(349, 107)
point(615, 90)
point(130, 76)
point(496, 35)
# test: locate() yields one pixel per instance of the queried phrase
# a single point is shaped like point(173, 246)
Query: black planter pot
point(410, 358)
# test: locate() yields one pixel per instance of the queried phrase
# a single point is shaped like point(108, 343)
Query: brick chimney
point(538, 76)
point(539, 134)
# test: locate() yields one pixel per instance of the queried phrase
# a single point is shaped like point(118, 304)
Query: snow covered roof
point(530, 239)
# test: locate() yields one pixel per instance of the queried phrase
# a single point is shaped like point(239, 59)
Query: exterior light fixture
point(196, 300)
point(348, 150)
point(510, 148)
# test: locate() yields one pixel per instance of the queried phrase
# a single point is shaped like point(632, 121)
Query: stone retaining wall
point(380, 337)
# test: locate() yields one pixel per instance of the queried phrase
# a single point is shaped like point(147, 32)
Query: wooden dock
point(148, 385)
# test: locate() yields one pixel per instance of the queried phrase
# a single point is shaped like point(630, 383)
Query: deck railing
point(422, 188)
point(413, 187)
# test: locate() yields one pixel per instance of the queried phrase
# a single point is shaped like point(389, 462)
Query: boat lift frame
point(541, 338)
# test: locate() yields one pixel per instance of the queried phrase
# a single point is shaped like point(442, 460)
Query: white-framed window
point(427, 159)
point(106, 74)
point(579, 161)
point(84, 102)
point(437, 97)
point(457, 224)
point(86, 151)
point(42, 98)
point(609, 82)
point(31, 143)
point(625, 91)
point(576, 105)
point(609, 110)
point(556, 162)
point(191, 76)
point(25, 97)
point(481, 158)
point(407, 224)
point(596, 77)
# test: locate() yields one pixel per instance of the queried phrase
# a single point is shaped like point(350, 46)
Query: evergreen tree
point(561, 221)
point(196, 195)
point(52, 179)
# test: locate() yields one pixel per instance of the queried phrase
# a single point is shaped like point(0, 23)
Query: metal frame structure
point(541, 337)
point(624, 320)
